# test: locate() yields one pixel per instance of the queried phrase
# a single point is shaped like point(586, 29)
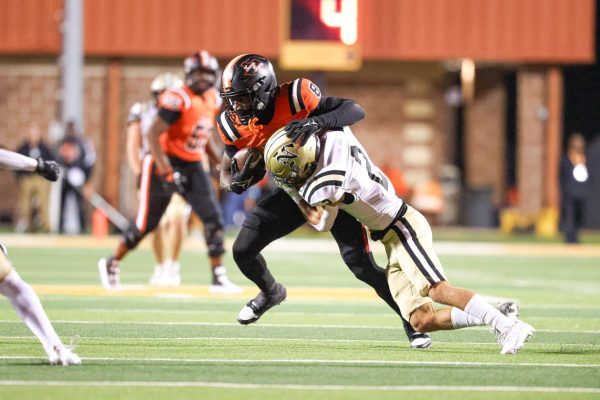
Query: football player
point(179, 136)
point(20, 294)
point(172, 229)
point(334, 170)
point(257, 107)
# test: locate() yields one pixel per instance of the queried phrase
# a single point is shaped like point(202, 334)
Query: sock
point(461, 319)
point(29, 308)
point(218, 272)
point(478, 308)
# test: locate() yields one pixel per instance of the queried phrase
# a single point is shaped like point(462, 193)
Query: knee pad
point(132, 237)
point(362, 265)
point(213, 234)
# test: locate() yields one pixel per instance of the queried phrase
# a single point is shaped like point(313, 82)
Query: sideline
point(317, 245)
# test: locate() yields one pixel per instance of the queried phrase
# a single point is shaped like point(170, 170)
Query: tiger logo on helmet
point(290, 162)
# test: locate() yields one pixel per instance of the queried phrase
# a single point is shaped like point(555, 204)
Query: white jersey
point(143, 113)
point(345, 174)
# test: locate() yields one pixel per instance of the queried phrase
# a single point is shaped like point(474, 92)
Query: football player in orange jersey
point(257, 107)
point(179, 137)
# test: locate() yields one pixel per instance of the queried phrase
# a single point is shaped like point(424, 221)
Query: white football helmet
point(165, 81)
point(290, 162)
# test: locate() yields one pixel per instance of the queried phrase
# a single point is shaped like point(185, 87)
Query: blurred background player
point(20, 294)
point(33, 189)
point(167, 239)
point(180, 136)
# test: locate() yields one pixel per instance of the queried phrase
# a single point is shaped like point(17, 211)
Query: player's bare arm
point(162, 162)
point(225, 176)
point(134, 143)
point(213, 152)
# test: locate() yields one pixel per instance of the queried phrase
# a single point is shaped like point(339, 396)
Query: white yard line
point(430, 388)
point(231, 324)
point(269, 339)
point(317, 361)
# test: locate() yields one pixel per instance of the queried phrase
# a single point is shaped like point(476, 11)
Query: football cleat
point(510, 309)
point(263, 302)
point(513, 338)
point(63, 356)
point(420, 340)
point(172, 274)
point(157, 277)
point(109, 273)
point(222, 284)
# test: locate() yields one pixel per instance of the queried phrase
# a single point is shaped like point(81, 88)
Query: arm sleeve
point(16, 161)
point(337, 112)
point(170, 105)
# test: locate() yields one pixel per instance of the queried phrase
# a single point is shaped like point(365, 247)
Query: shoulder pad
point(227, 129)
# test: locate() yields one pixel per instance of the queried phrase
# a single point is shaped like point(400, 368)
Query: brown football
point(241, 156)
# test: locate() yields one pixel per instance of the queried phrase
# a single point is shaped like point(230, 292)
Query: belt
point(378, 235)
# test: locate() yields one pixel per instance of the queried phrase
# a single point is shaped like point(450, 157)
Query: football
point(240, 157)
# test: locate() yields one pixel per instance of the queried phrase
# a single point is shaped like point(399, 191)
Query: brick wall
point(406, 126)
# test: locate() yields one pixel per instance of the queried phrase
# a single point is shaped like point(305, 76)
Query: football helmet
point(201, 71)
point(163, 82)
point(290, 162)
point(246, 85)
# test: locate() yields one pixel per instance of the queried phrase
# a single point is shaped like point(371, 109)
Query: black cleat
point(420, 340)
point(259, 305)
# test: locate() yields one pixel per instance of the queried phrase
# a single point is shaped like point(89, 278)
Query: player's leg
point(410, 249)
point(201, 196)
point(158, 246)
point(153, 201)
point(351, 238)
point(274, 217)
point(29, 308)
point(173, 228)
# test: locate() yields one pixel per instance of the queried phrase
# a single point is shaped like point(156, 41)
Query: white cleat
point(63, 356)
point(172, 274)
point(515, 337)
point(109, 271)
point(157, 276)
point(510, 309)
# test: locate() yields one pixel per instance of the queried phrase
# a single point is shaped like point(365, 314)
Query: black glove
point(47, 169)
point(175, 181)
point(246, 177)
point(301, 129)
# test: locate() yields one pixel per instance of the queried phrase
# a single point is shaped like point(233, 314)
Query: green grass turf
point(157, 348)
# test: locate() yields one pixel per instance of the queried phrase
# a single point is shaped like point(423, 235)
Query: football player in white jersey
point(20, 294)
point(333, 171)
point(167, 239)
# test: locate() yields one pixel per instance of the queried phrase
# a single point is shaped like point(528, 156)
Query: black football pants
point(155, 196)
point(276, 216)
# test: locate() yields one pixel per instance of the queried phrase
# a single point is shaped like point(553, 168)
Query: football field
point(331, 339)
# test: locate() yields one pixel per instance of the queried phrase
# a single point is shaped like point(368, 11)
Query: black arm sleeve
point(230, 150)
point(169, 116)
point(337, 112)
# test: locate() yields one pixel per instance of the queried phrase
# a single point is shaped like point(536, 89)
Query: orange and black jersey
point(293, 100)
point(191, 118)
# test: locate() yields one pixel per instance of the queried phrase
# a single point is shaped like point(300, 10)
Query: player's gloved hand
point(47, 169)
point(301, 129)
point(175, 180)
point(247, 176)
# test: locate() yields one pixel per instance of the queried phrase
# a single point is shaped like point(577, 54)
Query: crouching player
point(20, 294)
point(333, 170)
